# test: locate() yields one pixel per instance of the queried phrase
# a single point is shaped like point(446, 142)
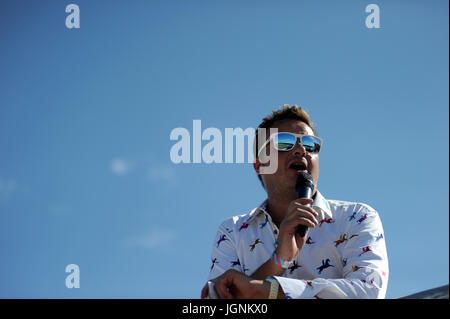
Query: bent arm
point(365, 274)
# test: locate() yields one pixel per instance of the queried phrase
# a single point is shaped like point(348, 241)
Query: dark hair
point(287, 112)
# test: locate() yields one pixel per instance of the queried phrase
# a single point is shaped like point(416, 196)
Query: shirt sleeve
point(224, 255)
point(364, 260)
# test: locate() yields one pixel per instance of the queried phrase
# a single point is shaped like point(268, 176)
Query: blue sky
point(85, 118)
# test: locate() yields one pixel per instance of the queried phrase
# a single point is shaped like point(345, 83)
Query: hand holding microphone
point(299, 217)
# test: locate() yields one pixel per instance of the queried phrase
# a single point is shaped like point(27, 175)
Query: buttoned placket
point(275, 230)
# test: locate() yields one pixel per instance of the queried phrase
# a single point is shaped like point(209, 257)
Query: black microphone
point(304, 188)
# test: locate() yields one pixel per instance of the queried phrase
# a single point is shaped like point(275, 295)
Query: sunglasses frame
point(296, 137)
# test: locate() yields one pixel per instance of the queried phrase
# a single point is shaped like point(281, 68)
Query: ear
point(257, 165)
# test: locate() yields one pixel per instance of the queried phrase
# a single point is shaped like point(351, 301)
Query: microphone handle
point(303, 192)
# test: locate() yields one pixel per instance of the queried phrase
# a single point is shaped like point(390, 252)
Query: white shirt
point(344, 256)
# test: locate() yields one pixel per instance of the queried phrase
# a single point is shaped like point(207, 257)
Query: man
point(260, 254)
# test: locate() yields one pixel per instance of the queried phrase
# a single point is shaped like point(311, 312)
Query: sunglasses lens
point(311, 144)
point(284, 141)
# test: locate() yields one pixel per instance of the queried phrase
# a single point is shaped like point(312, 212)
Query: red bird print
point(365, 250)
point(328, 221)
point(244, 225)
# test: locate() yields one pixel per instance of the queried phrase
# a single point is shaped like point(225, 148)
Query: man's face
point(285, 177)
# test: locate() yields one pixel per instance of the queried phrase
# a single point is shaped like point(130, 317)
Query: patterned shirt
point(344, 256)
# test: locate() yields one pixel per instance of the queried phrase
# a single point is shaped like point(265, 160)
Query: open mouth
point(298, 167)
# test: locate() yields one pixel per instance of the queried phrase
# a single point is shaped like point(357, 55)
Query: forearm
point(269, 268)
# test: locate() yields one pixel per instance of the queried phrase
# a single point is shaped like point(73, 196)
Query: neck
point(277, 207)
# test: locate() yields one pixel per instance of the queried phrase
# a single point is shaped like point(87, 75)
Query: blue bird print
point(262, 225)
point(325, 264)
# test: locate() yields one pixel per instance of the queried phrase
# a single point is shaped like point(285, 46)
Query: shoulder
point(340, 206)
point(355, 215)
point(354, 212)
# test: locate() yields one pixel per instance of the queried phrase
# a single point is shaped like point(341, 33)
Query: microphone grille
point(304, 180)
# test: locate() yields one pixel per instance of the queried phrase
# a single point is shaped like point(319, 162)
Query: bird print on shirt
point(342, 238)
point(293, 267)
point(244, 226)
point(356, 268)
point(214, 261)
point(325, 264)
point(221, 239)
point(365, 250)
point(244, 269)
point(359, 221)
point(350, 230)
point(256, 242)
point(262, 225)
point(326, 220)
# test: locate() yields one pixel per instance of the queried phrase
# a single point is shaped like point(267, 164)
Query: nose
point(299, 148)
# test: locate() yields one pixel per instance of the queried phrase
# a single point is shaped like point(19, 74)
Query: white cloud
point(120, 167)
point(154, 239)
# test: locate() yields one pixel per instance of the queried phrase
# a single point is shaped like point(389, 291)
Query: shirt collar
point(320, 205)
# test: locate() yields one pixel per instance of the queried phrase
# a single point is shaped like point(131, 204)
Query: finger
point(305, 201)
point(308, 208)
point(304, 221)
point(300, 212)
point(307, 214)
point(221, 287)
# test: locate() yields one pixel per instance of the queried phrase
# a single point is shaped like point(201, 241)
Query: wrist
point(280, 262)
point(273, 289)
point(261, 289)
point(284, 253)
